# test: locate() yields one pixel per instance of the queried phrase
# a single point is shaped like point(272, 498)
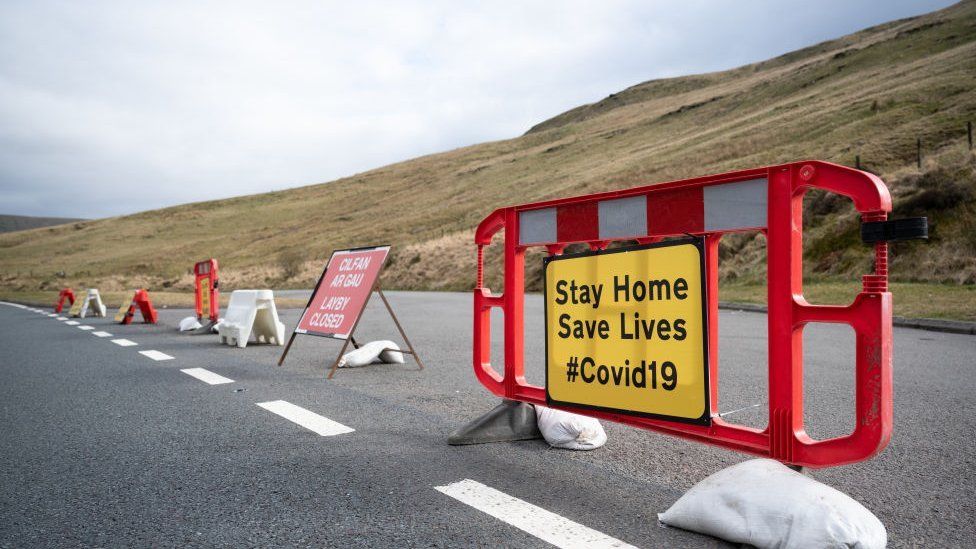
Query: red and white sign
point(342, 292)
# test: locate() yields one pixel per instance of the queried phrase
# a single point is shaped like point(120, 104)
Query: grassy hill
point(10, 223)
point(872, 94)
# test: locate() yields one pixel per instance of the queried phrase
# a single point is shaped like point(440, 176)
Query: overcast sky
point(109, 108)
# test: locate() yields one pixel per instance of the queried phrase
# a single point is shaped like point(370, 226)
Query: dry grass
point(871, 93)
point(910, 300)
point(114, 299)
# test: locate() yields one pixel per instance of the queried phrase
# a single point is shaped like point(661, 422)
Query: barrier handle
point(868, 192)
point(870, 317)
point(484, 301)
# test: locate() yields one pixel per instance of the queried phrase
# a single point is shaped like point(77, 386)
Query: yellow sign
point(626, 331)
point(123, 310)
point(205, 297)
point(75, 309)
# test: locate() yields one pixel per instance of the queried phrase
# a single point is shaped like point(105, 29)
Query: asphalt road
point(103, 446)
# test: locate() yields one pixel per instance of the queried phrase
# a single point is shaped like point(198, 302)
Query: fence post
point(857, 161)
point(918, 152)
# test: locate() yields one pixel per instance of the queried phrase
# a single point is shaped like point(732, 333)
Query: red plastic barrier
point(768, 199)
point(141, 302)
point(207, 298)
point(66, 293)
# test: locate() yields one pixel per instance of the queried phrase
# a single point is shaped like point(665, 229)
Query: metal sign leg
point(403, 334)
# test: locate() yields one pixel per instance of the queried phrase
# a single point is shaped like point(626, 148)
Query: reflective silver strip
point(623, 217)
point(537, 226)
point(739, 205)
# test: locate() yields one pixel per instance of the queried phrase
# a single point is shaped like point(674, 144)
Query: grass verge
point(912, 300)
point(113, 300)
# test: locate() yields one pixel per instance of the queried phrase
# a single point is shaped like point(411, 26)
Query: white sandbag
point(570, 431)
point(372, 353)
point(391, 353)
point(764, 503)
point(189, 323)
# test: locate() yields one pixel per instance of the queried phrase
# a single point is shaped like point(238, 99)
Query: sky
point(110, 108)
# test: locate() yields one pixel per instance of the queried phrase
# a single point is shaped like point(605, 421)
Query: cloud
point(115, 107)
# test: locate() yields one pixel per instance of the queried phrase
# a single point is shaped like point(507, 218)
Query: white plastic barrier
point(92, 303)
point(251, 312)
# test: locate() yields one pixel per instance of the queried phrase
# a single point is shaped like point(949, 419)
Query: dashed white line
point(156, 355)
point(72, 323)
point(124, 342)
point(52, 315)
point(207, 376)
point(545, 525)
point(61, 318)
point(101, 334)
point(86, 327)
point(309, 420)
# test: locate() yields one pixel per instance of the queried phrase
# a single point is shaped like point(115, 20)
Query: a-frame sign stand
point(411, 351)
point(338, 301)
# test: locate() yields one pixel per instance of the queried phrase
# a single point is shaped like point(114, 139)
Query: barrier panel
point(92, 302)
point(339, 298)
point(206, 294)
point(64, 294)
point(140, 301)
point(251, 312)
point(76, 306)
point(632, 333)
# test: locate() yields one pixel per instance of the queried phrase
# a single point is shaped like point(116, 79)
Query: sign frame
point(375, 287)
point(699, 243)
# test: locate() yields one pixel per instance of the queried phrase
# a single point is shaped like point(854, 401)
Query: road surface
point(107, 445)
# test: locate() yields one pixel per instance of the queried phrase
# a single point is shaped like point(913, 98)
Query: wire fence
point(918, 148)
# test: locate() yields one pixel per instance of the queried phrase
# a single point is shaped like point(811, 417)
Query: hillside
point(10, 223)
point(872, 94)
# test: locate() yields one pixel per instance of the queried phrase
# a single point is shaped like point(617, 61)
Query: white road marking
point(102, 334)
point(309, 420)
point(124, 342)
point(207, 376)
point(545, 525)
point(156, 355)
point(61, 318)
point(86, 327)
point(72, 323)
point(52, 315)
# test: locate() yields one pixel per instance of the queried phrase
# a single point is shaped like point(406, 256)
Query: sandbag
point(570, 431)
point(189, 323)
point(764, 503)
point(372, 353)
